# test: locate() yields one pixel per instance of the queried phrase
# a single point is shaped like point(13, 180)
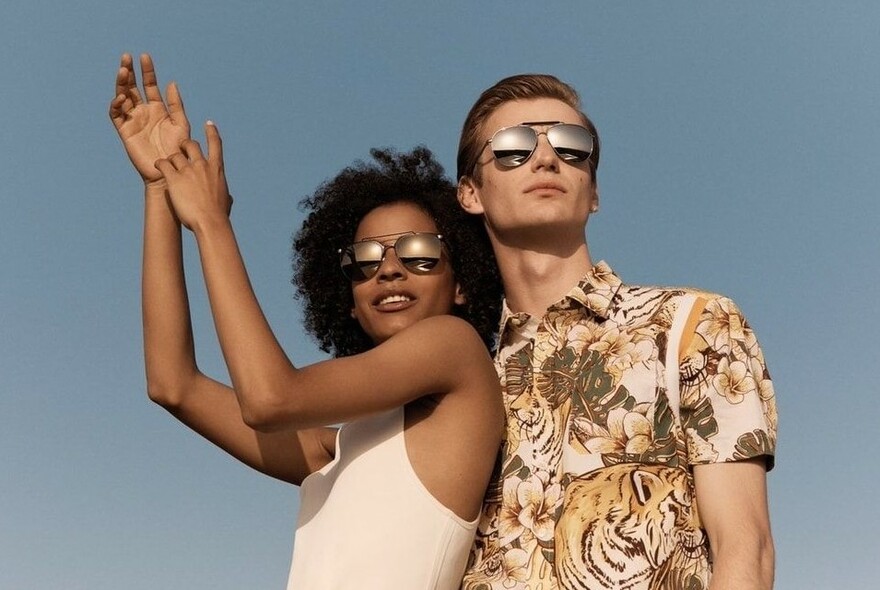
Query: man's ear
point(460, 298)
point(469, 196)
point(594, 205)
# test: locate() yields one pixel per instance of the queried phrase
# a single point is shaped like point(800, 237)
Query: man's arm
point(729, 413)
point(732, 504)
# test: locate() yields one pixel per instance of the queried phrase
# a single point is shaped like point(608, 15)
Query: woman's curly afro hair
point(336, 209)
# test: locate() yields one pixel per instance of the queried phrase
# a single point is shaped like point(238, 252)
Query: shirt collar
point(595, 292)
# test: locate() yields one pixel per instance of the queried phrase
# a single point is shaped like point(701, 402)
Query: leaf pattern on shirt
point(592, 417)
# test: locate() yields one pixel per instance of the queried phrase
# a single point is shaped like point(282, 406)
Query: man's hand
point(149, 130)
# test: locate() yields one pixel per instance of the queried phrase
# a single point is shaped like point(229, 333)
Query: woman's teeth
point(394, 299)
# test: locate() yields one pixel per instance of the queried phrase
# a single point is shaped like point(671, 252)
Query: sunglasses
point(513, 146)
point(418, 252)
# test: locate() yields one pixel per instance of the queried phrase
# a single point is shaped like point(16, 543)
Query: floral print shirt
point(611, 397)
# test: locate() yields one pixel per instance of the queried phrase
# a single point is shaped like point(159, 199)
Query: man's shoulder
point(632, 302)
point(633, 291)
point(628, 304)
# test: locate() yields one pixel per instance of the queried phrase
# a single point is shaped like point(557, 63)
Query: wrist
point(210, 225)
point(157, 187)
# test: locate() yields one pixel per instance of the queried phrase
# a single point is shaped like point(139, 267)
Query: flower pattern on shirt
point(594, 487)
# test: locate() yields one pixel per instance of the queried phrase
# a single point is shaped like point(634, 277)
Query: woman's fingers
point(131, 83)
point(178, 161)
point(192, 150)
point(148, 72)
point(126, 81)
point(215, 144)
point(127, 96)
point(164, 166)
point(117, 114)
point(122, 83)
point(175, 106)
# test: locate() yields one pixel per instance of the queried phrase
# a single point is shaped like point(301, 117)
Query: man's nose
point(545, 156)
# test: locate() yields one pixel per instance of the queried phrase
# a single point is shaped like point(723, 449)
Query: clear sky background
point(738, 141)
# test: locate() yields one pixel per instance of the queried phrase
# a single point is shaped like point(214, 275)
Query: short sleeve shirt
point(611, 397)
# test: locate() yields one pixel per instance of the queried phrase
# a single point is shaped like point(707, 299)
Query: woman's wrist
point(155, 186)
point(211, 225)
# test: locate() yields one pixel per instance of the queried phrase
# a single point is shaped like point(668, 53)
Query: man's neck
point(535, 280)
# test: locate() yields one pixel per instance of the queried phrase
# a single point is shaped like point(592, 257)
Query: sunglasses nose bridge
point(544, 153)
point(390, 266)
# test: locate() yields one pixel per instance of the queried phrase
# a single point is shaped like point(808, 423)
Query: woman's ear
point(469, 196)
point(460, 298)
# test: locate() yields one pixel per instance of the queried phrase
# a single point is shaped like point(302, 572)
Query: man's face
point(545, 198)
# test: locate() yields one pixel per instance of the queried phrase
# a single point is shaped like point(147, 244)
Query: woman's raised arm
point(438, 355)
point(149, 130)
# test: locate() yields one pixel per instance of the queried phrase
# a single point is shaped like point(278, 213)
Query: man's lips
point(545, 185)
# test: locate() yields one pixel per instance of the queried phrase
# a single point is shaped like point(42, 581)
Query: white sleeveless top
point(366, 521)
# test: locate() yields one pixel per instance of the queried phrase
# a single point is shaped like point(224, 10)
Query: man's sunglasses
point(513, 146)
point(418, 252)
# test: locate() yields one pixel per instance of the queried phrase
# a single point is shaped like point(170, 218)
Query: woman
point(384, 259)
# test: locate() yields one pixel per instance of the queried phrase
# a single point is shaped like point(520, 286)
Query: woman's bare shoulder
point(447, 334)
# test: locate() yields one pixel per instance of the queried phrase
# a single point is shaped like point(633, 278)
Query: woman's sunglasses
point(513, 146)
point(418, 252)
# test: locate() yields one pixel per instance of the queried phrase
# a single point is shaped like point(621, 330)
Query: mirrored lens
point(361, 260)
point(418, 252)
point(572, 143)
point(514, 145)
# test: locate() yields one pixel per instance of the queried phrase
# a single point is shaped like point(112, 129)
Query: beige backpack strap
point(690, 327)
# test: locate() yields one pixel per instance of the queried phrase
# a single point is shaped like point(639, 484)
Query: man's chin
point(548, 234)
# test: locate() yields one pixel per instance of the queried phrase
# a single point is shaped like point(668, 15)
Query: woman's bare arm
point(150, 128)
point(438, 355)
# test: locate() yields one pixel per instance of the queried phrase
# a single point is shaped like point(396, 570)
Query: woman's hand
point(196, 184)
point(149, 130)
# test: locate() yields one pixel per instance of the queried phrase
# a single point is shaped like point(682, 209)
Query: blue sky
point(737, 148)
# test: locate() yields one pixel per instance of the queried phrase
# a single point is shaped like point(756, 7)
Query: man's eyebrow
point(530, 123)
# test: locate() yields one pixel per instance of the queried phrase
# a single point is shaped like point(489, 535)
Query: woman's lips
point(394, 301)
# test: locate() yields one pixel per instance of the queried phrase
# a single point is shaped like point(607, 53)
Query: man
point(641, 420)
